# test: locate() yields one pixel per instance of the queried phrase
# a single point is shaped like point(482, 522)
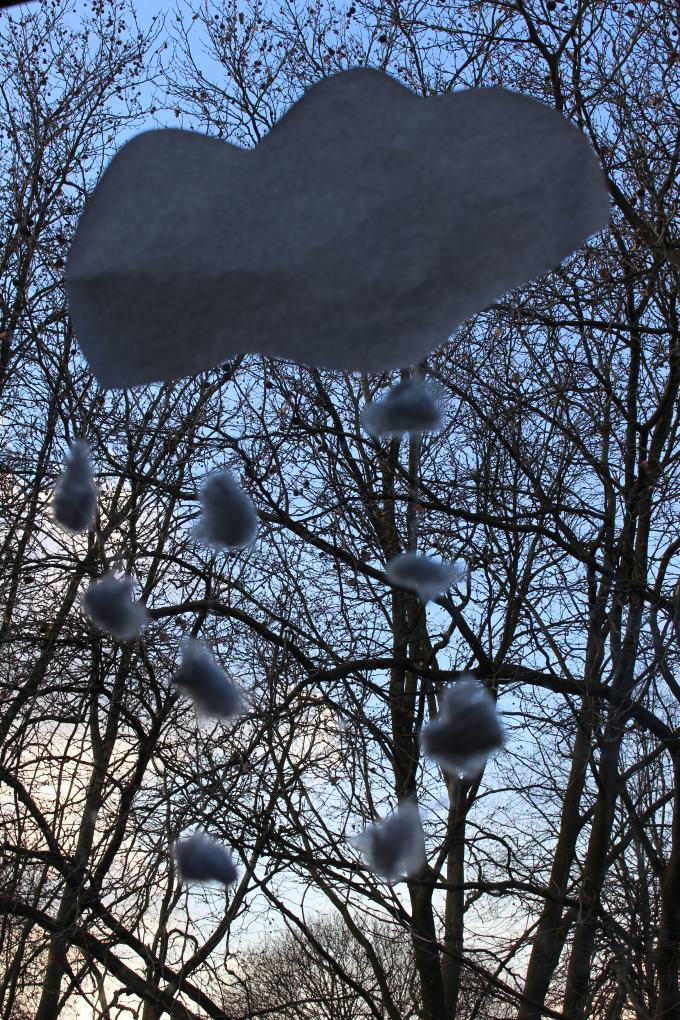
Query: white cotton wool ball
point(74, 502)
point(394, 846)
point(109, 605)
point(229, 518)
point(408, 407)
point(466, 730)
point(427, 576)
point(209, 687)
point(201, 859)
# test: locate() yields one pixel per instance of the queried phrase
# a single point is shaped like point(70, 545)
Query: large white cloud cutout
point(360, 232)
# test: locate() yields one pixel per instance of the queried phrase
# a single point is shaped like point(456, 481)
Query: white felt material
point(229, 518)
point(201, 859)
point(201, 679)
point(360, 232)
point(396, 845)
point(109, 605)
point(74, 502)
point(408, 407)
point(427, 576)
point(466, 730)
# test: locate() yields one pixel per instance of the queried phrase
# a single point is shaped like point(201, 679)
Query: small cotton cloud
point(110, 606)
point(427, 576)
point(210, 689)
point(408, 407)
point(467, 729)
point(201, 859)
point(74, 502)
point(394, 846)
point(229, 517)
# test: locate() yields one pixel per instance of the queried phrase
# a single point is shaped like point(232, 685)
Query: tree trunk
point(454, 917)
point(69, 907)
point(551, 932)
point(426, 951)
point(668, 946)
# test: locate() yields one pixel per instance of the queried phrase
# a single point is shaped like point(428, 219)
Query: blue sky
point(147, 8)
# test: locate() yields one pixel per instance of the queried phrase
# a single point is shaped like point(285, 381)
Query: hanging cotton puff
point(394, 846)
point(201, 859)
point(210, 689)
point(466, 730)
point(427, 576)
point(408, 407)
point(74, 502)
point(229, 516)
point(109, 605)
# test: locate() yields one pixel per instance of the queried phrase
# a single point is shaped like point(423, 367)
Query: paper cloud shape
point(74, 502)
point(466, 730)
point(360, 232)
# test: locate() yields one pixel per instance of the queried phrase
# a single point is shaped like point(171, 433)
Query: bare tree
point(297, 977)
point(551, 887)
